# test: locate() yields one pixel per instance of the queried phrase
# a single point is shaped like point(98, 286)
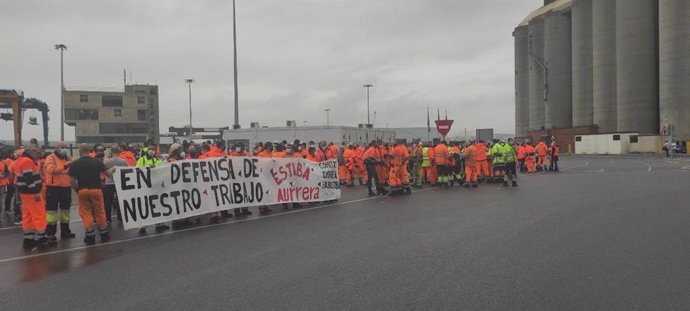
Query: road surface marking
point(19, 227)
point(574, 167)
point(599, 171)
point(649, 166)
point(196, 228)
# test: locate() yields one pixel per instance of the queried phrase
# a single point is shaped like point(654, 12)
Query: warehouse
point(603, 66)
point(335, 134)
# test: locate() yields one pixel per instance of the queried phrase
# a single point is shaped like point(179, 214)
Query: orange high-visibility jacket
point(441, 154)
point(481, 152)
point(55, 171)
point(28, 176)
point(398, 153)
point(542, 149)
point(129, 157)
point(529, 151)
point(521, 152)
point(349, 156)
point(470, 155)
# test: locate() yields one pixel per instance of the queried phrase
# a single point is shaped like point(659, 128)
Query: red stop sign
point(443, 126)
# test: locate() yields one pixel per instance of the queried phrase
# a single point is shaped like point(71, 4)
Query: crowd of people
point(37, 186)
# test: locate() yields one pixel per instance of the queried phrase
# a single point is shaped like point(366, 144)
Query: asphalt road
point(606, 233)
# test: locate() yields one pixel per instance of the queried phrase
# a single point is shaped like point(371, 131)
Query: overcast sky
point(296, 58)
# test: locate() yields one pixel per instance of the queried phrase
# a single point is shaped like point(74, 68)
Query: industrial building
point(335, 134)
point(603, 66)
point(109, 117)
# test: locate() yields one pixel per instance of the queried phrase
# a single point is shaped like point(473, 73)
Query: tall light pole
point(234, 44)
point(328, 116)
point(368, 86)
point(62, 48)
point(191, 128)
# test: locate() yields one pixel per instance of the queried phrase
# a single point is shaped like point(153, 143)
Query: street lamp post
point(328, 116)
point(368, 86)
point(189, 83)
point(234, 45)
point(62, 48)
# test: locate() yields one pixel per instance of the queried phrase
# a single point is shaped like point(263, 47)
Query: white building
point(335, 134)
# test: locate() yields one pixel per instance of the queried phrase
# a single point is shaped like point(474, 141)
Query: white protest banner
point(182, 189)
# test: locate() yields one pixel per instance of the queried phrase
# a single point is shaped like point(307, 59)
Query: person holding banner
point(149, 159)
point(86, 181)
point(266, 152)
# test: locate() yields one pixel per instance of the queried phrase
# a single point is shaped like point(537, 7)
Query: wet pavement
point(604, 233)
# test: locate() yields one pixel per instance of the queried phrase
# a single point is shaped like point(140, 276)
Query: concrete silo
point(637, 90)
point(674, 66)
point(604, 110)
point(536, 73)
point(582, 62)
point(557, 53)
point(521, 35)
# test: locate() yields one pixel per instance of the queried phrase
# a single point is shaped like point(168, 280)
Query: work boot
point(42, 243)
point(371, 193)
point(515, 183)
point(52, 240)
point(286, 207)
point(29, 244)
point(105, 237)
point(162, 227)
point(65, 232)
point(90, 240)
point(505, 184)
point(245, 211)
point(475, 185)
point(237, 212)
point(225, 214)
point(466, 186)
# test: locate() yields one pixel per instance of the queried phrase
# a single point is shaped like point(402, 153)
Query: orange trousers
point(542, 160)
point(383, 172)
point(349, 175)
point(430, 173)
point(342, 173)
point(531, 167)
point(483, 168)
point(470, 173)
point(362, 172)
point(398, 176)
point(404, 173)
point(393, 176)
point(33, 213)
point(90, 206)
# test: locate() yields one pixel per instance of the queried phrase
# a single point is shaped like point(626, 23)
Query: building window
point(616, 137)
point(83, 98)
point(81, 114)
point(111, 101)
point(123, 128)
point(141, 115)
point(141, 100)
point(117, 112)
point(634, 139)
point(578, 138)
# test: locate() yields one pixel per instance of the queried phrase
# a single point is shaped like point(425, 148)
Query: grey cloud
point(296, 57)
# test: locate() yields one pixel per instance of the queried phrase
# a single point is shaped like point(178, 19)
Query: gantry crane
point(11, 99)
